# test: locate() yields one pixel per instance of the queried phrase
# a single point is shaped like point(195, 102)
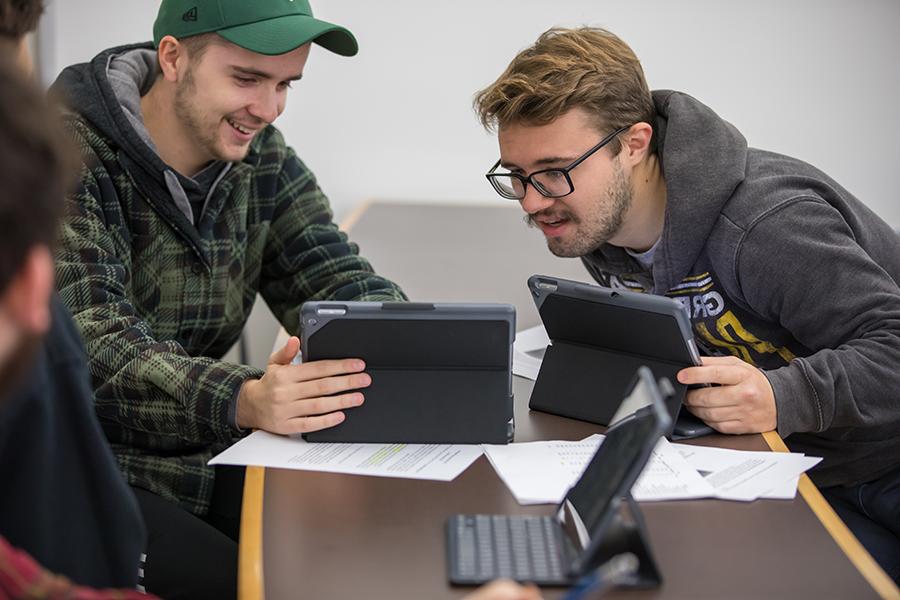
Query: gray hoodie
point(782, 267)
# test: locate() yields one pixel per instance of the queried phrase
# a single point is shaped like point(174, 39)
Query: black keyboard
point(523, 548)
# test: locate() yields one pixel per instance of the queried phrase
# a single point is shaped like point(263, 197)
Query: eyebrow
point(262, 74)
point(542, 162)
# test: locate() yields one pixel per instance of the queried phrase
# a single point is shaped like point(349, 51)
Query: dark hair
point(35, 164)
point(18, 17)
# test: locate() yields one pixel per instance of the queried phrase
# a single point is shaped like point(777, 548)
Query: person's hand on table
point(742, 401)
point(504, 589)
point(300, 398)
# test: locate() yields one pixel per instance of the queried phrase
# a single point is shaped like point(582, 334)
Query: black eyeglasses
point(552, 183)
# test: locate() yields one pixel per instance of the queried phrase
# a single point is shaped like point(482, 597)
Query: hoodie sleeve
point(307, 257)
point(801, 266)
point(148, 393)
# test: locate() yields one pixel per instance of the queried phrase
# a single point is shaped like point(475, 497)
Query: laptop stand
point(628, 533)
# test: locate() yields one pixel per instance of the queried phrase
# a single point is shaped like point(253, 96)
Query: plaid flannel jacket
point(159, 301)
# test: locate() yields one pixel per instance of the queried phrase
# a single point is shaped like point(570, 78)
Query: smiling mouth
point(548, 220)
point(241, 128)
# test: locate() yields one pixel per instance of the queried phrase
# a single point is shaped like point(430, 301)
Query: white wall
point(817, 79)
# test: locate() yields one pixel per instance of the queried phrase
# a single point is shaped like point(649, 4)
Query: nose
point(534, 202)
point(268, 106)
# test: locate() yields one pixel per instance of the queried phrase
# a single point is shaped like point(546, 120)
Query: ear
point(27, 296)
point(636, 143)
point(172, 57)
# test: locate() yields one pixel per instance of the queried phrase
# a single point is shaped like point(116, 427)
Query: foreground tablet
point(588, 528)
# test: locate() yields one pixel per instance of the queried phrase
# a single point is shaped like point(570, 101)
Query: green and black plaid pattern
point(159, 301)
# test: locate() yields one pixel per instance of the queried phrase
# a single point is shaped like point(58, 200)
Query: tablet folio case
point(595, 351)
point(434, 380)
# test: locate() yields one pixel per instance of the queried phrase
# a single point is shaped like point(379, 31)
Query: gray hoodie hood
point(131, 75)
point(90, 92)
point(701, 175)
point(778, 265)
point(107, 92)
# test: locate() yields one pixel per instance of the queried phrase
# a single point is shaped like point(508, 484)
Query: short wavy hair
point(588, 68)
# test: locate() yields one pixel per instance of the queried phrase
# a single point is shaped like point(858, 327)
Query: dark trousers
point(872, 512)
point(194, 557)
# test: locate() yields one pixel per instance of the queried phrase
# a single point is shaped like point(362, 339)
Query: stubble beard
point(192, 118)
point(597, 227)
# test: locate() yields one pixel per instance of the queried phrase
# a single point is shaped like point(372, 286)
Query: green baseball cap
point(263, 26)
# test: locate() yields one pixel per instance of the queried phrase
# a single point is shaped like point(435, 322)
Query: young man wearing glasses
point(790, 281)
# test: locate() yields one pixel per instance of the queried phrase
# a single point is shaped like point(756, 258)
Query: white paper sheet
point(542, 472)
point(438, 462)
point(668, 476)
point(744, 475)
point(528, 351)
point(783, 491)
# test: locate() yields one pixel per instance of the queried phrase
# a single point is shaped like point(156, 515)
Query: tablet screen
point(615, 467)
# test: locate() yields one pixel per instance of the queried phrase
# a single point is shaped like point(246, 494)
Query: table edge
point(251, 584)
point(250, 560)
point(838, 530)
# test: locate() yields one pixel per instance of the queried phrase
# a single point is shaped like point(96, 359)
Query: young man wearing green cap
point(190, 204)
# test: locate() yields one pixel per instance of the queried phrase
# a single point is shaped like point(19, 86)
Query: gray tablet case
point(599, 337)
point(441, 373)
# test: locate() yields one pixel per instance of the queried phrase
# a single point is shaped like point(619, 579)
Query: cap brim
point(283, 34)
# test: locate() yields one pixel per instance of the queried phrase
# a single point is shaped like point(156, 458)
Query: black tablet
point(599, 337)
point(441, 373)
point(588, 527)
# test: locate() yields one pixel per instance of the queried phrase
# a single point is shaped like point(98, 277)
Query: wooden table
point(320, 536)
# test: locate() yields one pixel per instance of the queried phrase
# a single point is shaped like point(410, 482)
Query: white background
point(815, 79)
